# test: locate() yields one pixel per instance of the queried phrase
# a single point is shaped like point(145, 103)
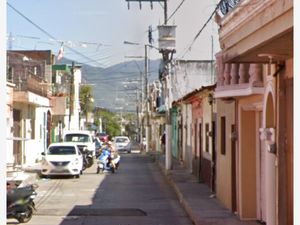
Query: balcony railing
point(33, 84)
point(238, 79)
point(60, 90)
point(226, 6)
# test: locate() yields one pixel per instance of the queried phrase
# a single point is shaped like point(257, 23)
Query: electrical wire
point(176, 10)
point(51, 36)
point(200, 31)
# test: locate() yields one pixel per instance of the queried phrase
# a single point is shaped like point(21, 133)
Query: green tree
point(130, 125)
point(110, 123)
point(86, 100)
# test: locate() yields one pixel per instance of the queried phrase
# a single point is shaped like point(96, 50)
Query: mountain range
point(117, 87)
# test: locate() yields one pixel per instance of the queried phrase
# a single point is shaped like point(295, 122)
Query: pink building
point(255, 110)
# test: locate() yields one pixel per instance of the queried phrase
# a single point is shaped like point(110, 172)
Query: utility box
point(166, 37)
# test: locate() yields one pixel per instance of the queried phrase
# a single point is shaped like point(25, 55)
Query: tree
point(130, 125)
point(86, 101)
point(110, 124)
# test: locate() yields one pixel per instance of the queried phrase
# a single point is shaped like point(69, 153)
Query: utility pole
point(151, 1)
point(147, 100)
point(165, 53)
point(71, 94)
point(212, 59)
point(167, 48)
point(137, 116)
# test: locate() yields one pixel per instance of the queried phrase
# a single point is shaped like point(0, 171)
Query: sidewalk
point(24, 176)
point(195, 197)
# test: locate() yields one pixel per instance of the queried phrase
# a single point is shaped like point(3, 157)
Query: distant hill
point(115, 86)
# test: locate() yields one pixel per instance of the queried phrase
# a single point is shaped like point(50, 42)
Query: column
point(234, 73)
point(227, 71)
point(255, 72)
point(243, 73)
point(220, 70)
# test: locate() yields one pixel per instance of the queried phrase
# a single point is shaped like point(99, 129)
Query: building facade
point(255, 84)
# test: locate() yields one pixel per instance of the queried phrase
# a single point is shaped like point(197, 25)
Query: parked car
point(83, 139)
point(122, 143)
point(62, 158)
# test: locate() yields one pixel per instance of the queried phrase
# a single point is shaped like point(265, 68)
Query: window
point(207, 137)
point(77, 138)
point(223, 135)
point(200, 137)
point(61, 150)
point(195, 139)
point(10, 74)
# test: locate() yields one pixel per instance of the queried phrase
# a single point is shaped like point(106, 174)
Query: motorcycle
point(106, 163)
point(87, 157)
point(20, 204)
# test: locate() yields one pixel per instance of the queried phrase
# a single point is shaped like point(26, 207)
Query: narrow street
point(136, 194)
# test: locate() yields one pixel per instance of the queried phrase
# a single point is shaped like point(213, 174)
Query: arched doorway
point(269, 125)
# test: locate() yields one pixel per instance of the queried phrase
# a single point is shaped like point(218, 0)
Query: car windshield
point(121, 140)
point(61, 150)
point(77, 138)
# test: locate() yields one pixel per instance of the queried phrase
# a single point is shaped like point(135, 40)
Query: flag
point(60, 52)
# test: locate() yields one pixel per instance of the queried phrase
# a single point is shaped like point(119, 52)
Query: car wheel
point(77, 176)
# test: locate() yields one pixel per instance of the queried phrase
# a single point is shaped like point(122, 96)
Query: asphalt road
point(137, 194)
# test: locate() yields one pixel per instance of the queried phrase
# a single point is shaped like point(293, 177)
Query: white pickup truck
point(83, 138)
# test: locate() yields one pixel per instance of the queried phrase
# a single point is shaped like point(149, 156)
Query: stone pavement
point(196, 198)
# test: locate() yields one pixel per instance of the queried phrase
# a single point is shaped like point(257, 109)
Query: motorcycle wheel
point(99, 170)
point(27, 217)
point(90, 162)
point(113, 169)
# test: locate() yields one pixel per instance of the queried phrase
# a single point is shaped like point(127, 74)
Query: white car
point(82, 138)
point(122, 143)
point(62, 159)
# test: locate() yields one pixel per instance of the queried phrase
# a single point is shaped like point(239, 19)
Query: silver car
point(122, 144)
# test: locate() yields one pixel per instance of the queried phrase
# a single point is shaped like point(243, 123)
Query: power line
point(49, 35)
point(176, 10)
point(200, 31)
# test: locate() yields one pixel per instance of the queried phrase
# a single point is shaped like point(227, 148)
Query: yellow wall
point(223, 179)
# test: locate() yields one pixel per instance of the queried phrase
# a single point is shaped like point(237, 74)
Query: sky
point(97, 29)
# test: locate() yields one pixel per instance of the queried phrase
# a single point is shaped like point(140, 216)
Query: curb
point(180, 197)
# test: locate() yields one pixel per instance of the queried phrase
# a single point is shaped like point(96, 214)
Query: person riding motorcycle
point(113, 154)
